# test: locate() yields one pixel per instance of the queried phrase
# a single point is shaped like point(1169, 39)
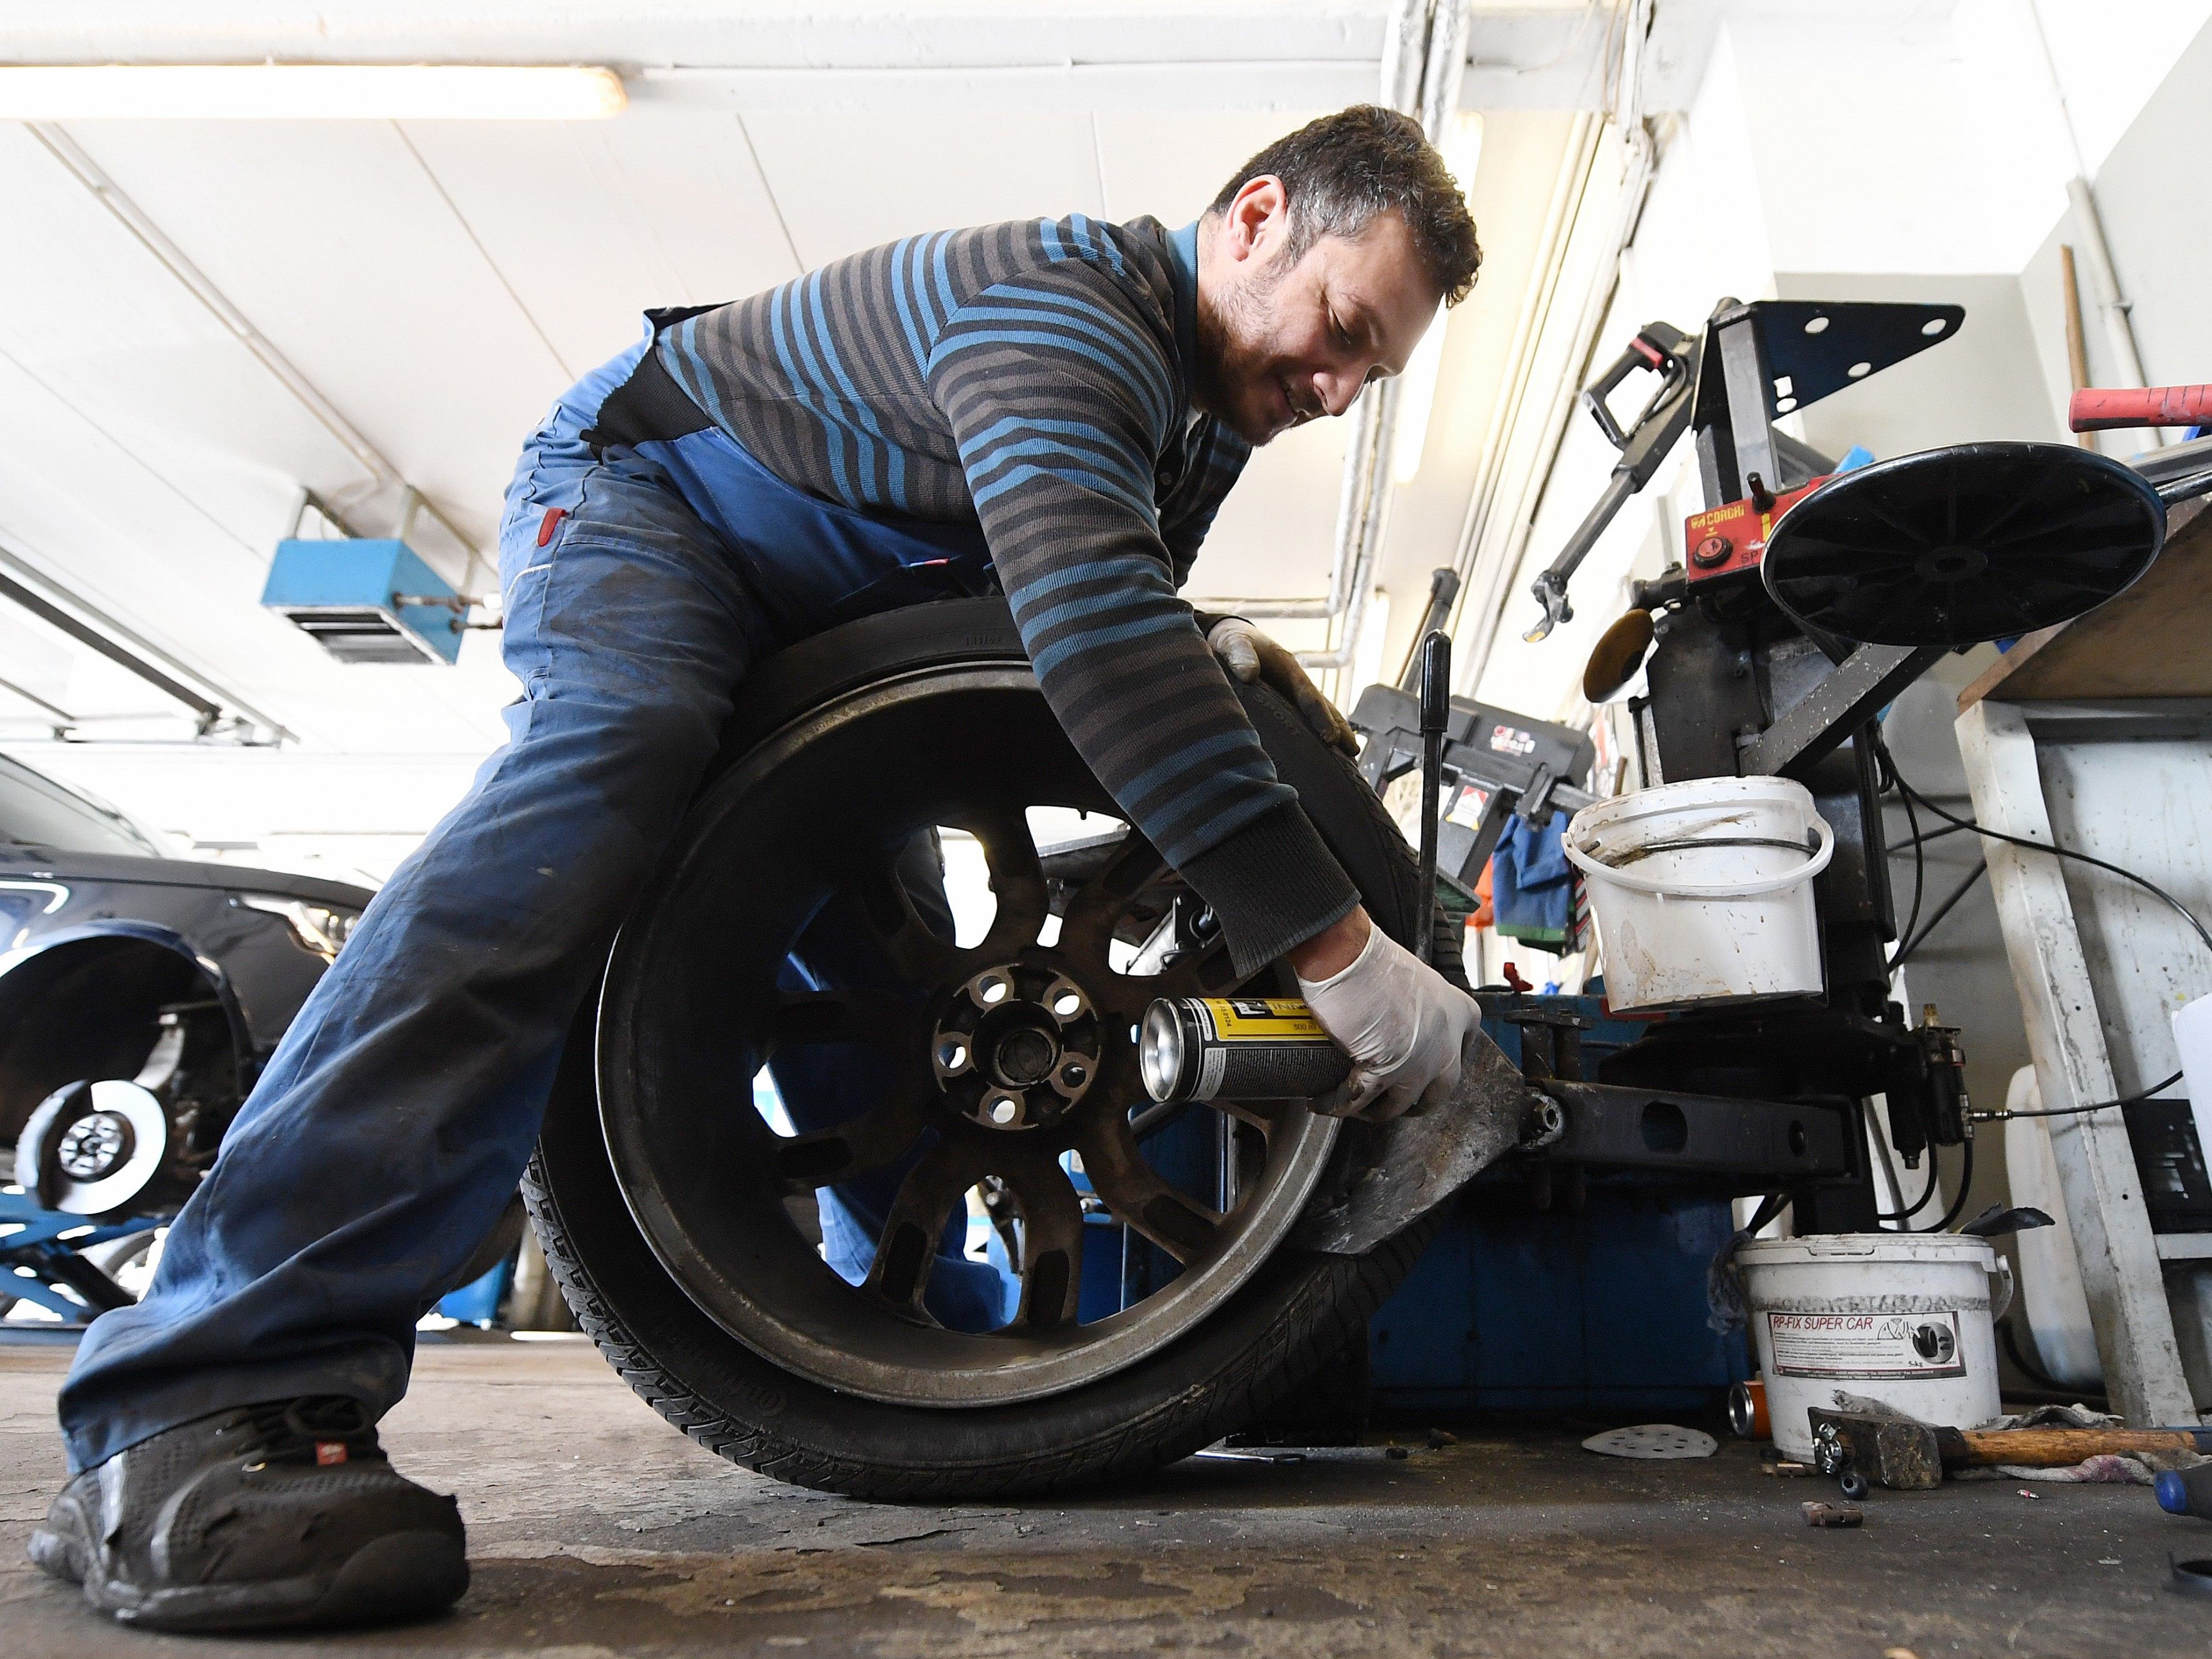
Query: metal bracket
point(1851, 695)
point(1666, 1129)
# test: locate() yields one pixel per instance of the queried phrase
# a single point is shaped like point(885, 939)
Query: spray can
point(1236, 1048)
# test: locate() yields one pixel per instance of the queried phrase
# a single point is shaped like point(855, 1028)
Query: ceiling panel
point(1170, 165)
point(77, 505)
point(334, 238)
point(442, 282)
point(847, 181)
point(590, 223)
point(89, 311)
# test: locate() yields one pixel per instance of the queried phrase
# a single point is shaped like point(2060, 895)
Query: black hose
point(1965, 1183)
point(1918, 1204)
point(2136, 1099)
point(2059, 1391)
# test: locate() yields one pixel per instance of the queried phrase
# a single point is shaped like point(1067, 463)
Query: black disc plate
point(1954, 546)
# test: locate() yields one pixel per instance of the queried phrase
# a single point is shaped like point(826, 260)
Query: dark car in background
point(140, 993)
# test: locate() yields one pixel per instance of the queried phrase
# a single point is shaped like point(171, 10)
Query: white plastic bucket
point(1703, 890)
point(1904, 1318)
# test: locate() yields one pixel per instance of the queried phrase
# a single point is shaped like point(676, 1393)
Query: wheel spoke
point(1016, 881)
point(1985, 533)
point(1833, 559)
point(1052, 1242)
point(913, 948)
point(1182, 1226)
point(1157, 1117)
point(1918, 538)
point(1088, 927)
point(824, 1156)
point(881, 1019)
point(906, 1250)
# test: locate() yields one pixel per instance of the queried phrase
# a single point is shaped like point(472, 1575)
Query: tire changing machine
point(1572, 1275)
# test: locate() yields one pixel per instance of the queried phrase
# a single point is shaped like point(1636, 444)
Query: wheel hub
point(94, 1145)
point(1954, 563)
point(1017, 1046)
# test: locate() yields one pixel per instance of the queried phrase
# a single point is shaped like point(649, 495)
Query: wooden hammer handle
point(2059, 1449)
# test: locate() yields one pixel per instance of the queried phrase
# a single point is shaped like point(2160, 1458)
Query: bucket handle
point(1824, 849)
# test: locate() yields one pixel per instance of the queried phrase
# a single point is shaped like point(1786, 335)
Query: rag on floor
point(1535, 892)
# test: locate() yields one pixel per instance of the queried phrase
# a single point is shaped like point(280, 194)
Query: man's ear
point(1257, 218)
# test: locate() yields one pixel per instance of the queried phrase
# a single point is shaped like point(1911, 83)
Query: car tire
point(1280, 1325)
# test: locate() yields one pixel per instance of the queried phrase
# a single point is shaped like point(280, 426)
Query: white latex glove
point(1251, 655)
point(1402, 1023)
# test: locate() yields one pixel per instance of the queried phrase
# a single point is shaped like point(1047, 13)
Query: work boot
point(286, 1513)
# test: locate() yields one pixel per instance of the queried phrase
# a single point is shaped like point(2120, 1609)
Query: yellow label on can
point(1262, 1019)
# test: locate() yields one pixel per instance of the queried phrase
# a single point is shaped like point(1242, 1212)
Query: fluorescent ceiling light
point(1462, 150)
point(308, 92)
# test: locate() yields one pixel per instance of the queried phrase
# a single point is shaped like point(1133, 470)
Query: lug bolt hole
point(1068, 1005)
point(952, 1056)
point(992, 992)
point(1073, 1076)
point(1004, 1111)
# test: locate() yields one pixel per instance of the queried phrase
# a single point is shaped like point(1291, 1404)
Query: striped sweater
point(1036, 377)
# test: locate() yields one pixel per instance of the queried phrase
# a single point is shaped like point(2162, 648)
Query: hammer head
point(1903, 1456)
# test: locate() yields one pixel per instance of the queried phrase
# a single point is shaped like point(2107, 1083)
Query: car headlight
point(321, 928)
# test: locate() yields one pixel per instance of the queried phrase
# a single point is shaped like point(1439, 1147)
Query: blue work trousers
point(391, 1124)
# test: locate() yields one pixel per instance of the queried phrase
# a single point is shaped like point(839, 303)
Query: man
point(1055, 407)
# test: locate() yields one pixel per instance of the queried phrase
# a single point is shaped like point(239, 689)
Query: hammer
point(1912, 1457)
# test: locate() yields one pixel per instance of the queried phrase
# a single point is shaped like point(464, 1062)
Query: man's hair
point(1341, 170)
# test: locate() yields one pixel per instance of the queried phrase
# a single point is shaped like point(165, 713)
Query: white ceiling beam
point(969, 54)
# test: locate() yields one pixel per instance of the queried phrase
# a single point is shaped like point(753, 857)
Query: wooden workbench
point(2154, 641)
point(2096, 735)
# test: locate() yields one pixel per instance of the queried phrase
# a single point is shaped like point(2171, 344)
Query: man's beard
point(1225, 322)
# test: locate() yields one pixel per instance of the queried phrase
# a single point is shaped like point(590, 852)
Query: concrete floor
point(596, 1530)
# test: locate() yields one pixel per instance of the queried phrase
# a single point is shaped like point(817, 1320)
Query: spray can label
point(1255, 1048)
point(1261, 1020)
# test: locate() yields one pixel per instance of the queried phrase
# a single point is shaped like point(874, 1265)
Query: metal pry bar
point(1672, 354)
point(1435, 721)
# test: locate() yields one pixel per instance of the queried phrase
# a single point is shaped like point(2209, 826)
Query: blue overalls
point(640, 584)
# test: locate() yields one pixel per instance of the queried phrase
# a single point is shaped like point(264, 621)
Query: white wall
point(2157, 215)
point(1906, 152)
point(1896, 151)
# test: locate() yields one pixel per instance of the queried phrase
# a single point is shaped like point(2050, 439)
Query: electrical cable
point(1888, 765)
point(1921, 840)
point(2143, 882)
point(1915, 941)
point(1966, 1175)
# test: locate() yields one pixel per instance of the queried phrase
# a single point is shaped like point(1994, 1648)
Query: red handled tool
point(2096, 410)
